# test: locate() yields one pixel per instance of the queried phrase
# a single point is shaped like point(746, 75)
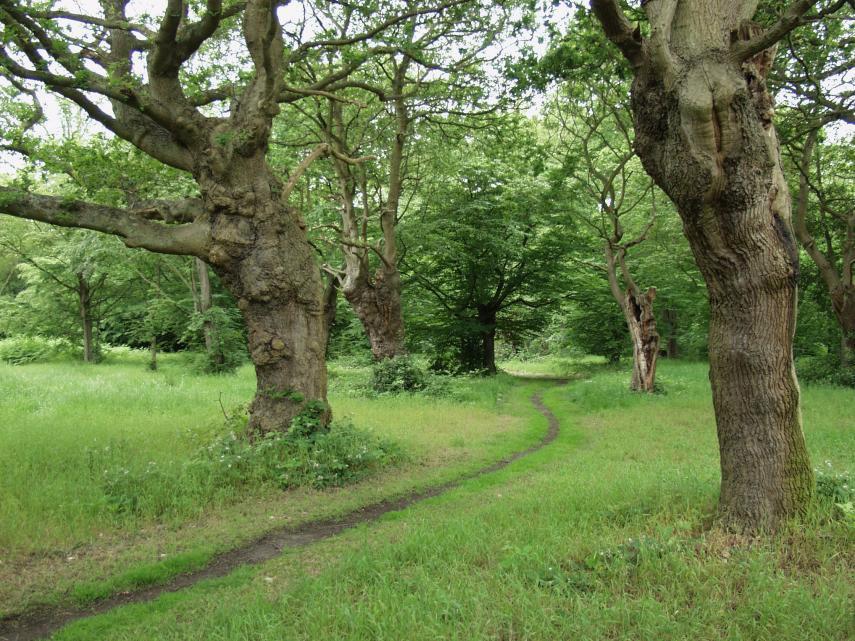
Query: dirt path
point(39, 624)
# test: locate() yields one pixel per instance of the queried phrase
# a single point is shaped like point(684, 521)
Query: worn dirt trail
point(39, 624)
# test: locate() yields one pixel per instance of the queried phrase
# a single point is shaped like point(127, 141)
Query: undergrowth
point(230, 463)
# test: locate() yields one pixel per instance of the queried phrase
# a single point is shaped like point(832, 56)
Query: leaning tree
point(704, 132)
point(197, 89)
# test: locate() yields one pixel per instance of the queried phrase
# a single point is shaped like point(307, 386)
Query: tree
point(241, 224)
point(369, 131)
point(812, 79)
point(72, 280)
point(486, 247)
point(703, 130)
point(595, 142)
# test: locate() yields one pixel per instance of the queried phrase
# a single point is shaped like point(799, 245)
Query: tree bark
point(84, 298)
point(638, 309)
point(487, 322)
point(378, 306)
point(704, 133)
point(261, 253)
point(152, 363)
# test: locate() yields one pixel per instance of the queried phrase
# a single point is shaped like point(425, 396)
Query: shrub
point(18, 350)
point(398, 374)
point(825, 369)
point(231, 463)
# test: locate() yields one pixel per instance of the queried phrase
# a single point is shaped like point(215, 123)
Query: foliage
point(398, 374)
point(484, 254)
point(21, 348)
point(826, 369)
point(230, 463)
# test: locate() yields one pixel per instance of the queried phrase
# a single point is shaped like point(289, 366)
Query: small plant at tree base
point(398, 374)
point(231, 464)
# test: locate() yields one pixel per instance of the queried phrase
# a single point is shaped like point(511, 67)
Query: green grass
point(59, 540)
point(602, 535)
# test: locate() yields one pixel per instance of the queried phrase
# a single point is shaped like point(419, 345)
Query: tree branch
point(135, 231)
point(620, 30)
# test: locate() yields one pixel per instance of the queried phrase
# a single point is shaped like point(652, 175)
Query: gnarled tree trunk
point(704, 133)
point(261, 253)
point(638, 309)
point(377, 303)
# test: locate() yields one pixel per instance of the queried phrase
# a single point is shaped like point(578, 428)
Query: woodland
point(284, 286)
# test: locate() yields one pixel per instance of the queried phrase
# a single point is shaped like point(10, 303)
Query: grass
point(601, 535)
point(59, 542)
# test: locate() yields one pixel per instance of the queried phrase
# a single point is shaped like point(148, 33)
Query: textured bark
point(84, 300)
point(261, 253)
point(152, 350)
point(704, 133)
point(645, 339)
point(637, 308)
point(377, 304)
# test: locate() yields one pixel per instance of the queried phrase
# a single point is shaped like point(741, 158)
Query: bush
point(825, 369)
point(398, 374)
point(231, 463)
point(18, 350)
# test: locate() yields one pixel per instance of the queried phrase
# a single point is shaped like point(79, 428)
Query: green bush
point(398, 374)
point(231, 463)
point(825, 369)
point(18, 350)
point(834, 486)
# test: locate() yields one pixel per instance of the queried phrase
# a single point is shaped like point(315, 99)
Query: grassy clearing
point(600, 535)
point(59, 540)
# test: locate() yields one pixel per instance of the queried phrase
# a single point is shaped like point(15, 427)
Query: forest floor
point(601, 534)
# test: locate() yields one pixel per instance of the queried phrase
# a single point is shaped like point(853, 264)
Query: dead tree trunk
point(637, 310)
point(645, 339)
point(704, 133)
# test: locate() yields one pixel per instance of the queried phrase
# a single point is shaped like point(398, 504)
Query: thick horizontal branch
point(189, 239)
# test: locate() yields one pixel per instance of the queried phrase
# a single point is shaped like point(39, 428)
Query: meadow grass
point(64, 422)
point(602, 535)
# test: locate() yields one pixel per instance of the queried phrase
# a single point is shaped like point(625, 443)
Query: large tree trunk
point(704, 133)
point(708, 142)
point(84, 301)
point(638, 309)
point(260, 251)
point(378, 306)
